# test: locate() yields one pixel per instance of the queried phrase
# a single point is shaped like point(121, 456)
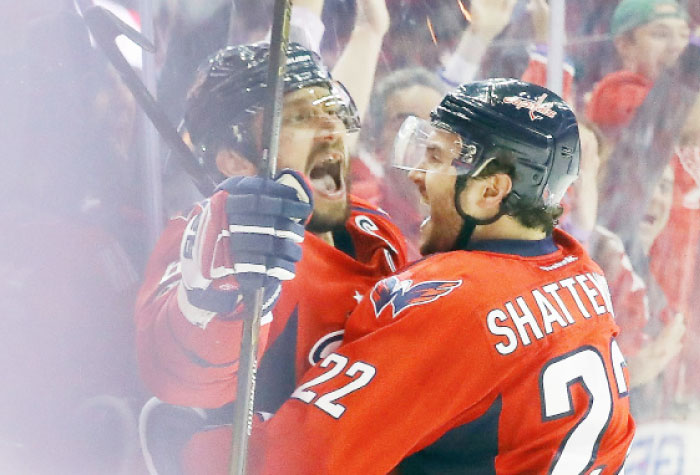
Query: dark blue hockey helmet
point(231, 86)
point(529, 121)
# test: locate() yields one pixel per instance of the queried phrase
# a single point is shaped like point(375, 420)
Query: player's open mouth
point(327, 176)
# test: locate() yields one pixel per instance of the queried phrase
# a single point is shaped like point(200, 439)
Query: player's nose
point(417, 176)
point(330, 128)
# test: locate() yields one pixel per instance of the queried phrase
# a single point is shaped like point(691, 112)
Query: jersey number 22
point(360, 372)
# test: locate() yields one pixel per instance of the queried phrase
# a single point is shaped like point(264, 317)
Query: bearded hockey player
point(494, 354)
point(190, 307)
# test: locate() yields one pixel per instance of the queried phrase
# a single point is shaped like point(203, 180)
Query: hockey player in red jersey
point(189, 309)
point(494, 354)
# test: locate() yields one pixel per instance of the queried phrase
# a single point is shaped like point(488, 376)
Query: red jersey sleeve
point(180, 361)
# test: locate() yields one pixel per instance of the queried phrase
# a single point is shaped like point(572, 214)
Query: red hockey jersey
point(487, 361)
point(185, 364)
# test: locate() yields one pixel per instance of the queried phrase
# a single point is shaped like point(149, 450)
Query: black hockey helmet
point(527, 120)
point(232, 85)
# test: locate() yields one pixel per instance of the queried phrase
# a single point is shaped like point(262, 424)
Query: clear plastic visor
point(336, 103)
point(420, 146)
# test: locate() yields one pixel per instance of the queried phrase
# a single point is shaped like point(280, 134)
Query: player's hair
point(529, 212)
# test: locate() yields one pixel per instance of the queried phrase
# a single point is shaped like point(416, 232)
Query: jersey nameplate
point(516, 321)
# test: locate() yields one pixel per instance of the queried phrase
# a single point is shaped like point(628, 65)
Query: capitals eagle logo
point(402, 294)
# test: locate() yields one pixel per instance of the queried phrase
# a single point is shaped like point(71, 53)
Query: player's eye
point(300, 116)
point(336, 111)
point(433, 154)
point(310, 114)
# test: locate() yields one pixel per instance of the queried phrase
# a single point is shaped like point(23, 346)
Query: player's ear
point(494, 190)
point(231, 163)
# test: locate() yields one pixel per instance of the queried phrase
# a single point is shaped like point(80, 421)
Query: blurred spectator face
point(416, 100)
point(650, 48)
point(658, 211)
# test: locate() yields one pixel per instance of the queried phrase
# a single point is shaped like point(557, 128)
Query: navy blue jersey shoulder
point(516, 247)
point(275, 380)
point(468, 449)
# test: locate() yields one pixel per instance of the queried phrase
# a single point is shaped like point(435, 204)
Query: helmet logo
point(538, 106)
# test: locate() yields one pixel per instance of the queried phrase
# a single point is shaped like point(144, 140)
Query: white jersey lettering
point(502, 348)
point(515, 323)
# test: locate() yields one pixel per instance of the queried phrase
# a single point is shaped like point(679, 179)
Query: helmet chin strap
point(469, 222)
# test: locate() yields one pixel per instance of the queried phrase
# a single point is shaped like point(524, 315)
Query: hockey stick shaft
point(105, 27)
point(243, 415)
point(279, 40)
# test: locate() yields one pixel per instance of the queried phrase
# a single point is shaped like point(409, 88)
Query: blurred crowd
point(74, 240)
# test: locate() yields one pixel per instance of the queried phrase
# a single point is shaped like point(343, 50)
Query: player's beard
point(331, 214)
point(439, 231)
point(435, 238)
point(329, 218)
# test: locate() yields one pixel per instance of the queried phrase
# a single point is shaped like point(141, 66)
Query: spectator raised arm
point(488, 19)
point(357, 63)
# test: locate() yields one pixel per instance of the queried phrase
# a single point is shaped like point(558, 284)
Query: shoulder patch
point(368, 226)
point(400, 294)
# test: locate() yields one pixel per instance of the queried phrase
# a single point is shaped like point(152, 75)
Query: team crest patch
point(536, 106)
point(401, 294)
